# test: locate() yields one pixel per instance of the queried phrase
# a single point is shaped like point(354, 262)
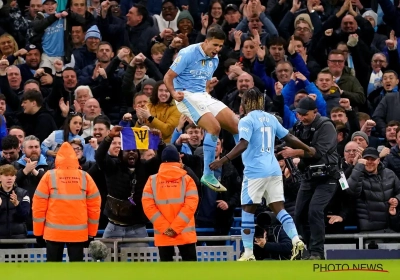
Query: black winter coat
point(119, 177)
point(373, 192)
point(12, 218)
point(392, 160)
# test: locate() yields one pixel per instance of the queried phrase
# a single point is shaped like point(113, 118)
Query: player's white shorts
point(253, 190)
point(195, 105)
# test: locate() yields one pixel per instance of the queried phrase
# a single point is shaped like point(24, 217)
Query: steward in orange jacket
point(169, 201)
point(66, 207)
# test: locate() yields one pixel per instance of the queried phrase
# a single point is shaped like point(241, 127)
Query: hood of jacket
point(66, 157)
point(170, 171)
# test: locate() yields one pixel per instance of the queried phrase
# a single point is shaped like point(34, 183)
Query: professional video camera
point(265, 223)
point(294, 171)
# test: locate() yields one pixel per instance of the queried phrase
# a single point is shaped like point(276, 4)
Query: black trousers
point(55, 251)
point(312, 199)
point(188, 252)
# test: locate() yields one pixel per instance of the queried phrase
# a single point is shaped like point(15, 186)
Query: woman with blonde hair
point(9, 49)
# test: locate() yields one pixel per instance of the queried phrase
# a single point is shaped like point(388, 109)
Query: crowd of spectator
point(71, 70)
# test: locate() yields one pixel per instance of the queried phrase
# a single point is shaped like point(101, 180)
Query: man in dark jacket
point(126, 176)
point(138, 25)
point(36, 119)
point(387, 109)
point(377, 190)
point(272, 241)
point(86, 55)
point(392, 160)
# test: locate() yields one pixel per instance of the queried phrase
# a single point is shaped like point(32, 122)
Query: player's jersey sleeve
point(245, 129)
point(280, 131)
point(180, 63)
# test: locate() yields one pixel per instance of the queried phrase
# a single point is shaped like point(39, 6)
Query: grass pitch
point(280, 270)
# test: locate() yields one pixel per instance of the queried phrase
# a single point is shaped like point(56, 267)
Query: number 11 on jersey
point(266, 142)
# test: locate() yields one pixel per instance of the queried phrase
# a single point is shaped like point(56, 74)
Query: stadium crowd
point(72, 70)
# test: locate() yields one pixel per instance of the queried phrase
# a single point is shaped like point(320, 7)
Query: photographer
point(321, 174)
point(271, 240)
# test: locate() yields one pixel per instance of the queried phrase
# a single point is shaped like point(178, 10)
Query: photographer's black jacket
point(278, 246)
point(323, 140)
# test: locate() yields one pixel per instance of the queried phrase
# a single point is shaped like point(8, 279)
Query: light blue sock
point(236, 137)
point(248, 223)
point(287, 223)
point(209, 145)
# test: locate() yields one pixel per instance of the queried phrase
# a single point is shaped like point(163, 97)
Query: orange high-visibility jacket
point(66, 204)
point(169, 201)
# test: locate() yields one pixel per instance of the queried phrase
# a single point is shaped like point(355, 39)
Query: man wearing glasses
point(348, 85)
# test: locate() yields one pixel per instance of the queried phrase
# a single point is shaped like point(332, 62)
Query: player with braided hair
point(262, 175)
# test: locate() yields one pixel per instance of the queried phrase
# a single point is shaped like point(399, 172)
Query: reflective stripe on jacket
point(169, 201)
point(66, 204)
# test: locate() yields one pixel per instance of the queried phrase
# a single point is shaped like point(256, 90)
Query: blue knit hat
point(93, 32)
point(170, 154)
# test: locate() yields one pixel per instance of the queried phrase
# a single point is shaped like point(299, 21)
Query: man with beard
point(91, 73)
point(101, 128)
point(31, 167)
point(86, 55)
point(126, 176)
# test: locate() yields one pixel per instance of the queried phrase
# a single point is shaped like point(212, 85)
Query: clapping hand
point(393, 203)
point(14, 199)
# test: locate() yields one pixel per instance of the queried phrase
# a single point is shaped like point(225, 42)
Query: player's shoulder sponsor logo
point(177, 59)
point(245, 129)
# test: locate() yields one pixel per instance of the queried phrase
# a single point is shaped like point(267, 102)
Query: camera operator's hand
point(334, 219)
point(261, 241)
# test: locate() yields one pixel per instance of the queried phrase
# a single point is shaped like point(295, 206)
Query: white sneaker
point(298, 247)
point(245, 258)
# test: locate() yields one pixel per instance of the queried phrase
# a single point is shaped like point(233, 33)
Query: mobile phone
point(57, 148)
